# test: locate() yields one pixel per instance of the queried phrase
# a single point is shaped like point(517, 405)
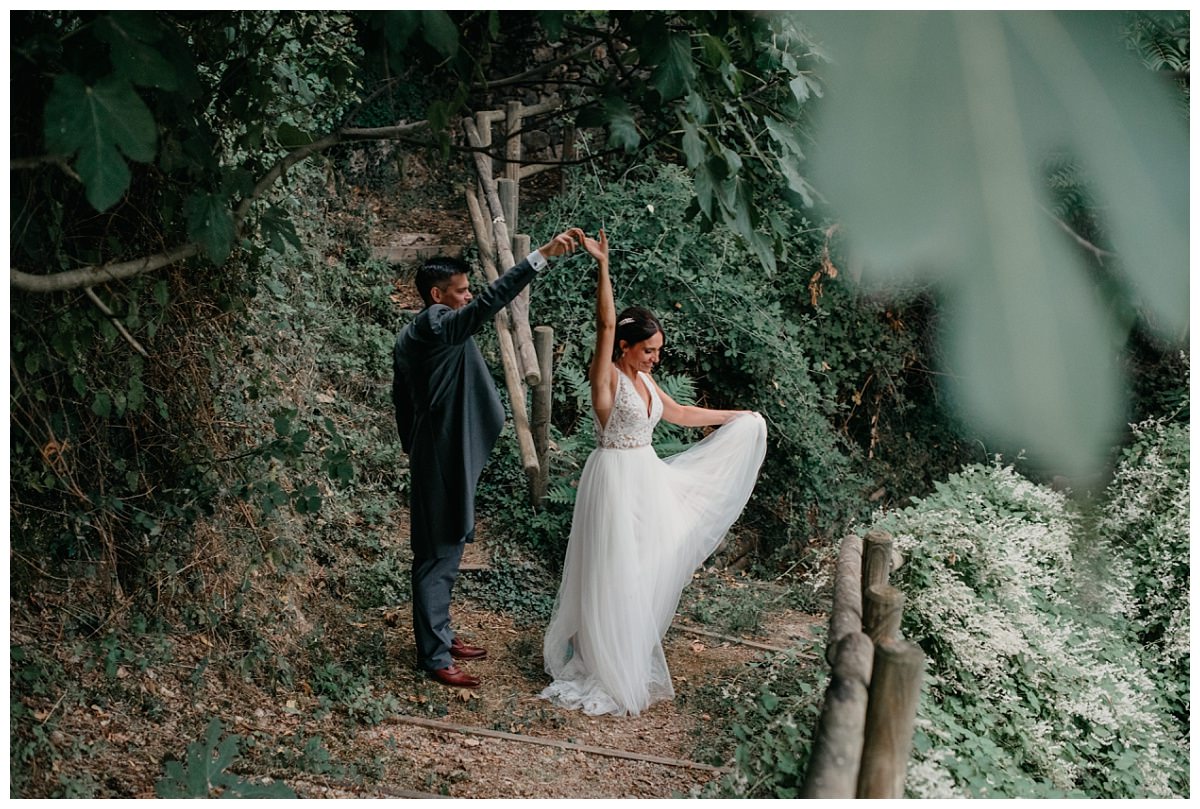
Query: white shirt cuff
point(536, 260)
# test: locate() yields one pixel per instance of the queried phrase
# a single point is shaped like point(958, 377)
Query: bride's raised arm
point(600, 374)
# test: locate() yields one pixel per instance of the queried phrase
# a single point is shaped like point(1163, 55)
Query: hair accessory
point(625, 321)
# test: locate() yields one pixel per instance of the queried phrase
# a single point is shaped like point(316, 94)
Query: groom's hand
point(562, 244)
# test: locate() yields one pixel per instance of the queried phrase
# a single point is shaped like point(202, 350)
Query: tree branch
point(100, 274)
point(104, 273)
point(542, 68)
point(91, 293)
point(1099, 253)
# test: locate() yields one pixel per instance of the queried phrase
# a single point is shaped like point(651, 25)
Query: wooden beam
point(522, 334)
point(500, 232)
point(508, 354)
point(448, 727)
point(846, 617)
point(838, 745)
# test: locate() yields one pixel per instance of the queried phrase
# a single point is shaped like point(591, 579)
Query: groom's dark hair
point(635, 324)
point(437, 272)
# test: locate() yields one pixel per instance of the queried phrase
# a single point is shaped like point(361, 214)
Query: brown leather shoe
point(454, 677)
point(461, 651)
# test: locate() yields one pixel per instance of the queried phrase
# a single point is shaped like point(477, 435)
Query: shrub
point(1033, 688)
point(1144, 527)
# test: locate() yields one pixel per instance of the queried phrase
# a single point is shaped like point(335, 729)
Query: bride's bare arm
point(689, 416)
point(600, 374)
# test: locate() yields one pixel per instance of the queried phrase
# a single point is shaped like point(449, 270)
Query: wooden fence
point(864, 735)
point(526, 354)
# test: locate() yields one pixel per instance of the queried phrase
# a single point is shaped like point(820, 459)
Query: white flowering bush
point(1144, 525)
point(1035, 686)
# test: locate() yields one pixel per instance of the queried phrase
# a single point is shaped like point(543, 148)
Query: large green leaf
point(622, 130)
point(210, 222)
point(399, 26)
point(95, 122)
point(675, 73)
point(440, 32)
point(932, 139)
point(128, 34)
point(693, 144)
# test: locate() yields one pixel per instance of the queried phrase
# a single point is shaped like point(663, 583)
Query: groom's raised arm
point(456, 325)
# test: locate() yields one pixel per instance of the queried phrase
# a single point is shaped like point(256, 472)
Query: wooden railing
point(526, 354)
point(864, 735)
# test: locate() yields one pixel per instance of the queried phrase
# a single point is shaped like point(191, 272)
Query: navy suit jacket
point(448, 412)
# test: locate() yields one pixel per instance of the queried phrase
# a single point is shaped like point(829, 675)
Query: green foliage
point(958, 154)
point(354, 691)
point(522, 590)
point(1143, 532)
point(94, 122)
point(1034, 685)
point(773, 724)
point(203, 772)
point(733, 605)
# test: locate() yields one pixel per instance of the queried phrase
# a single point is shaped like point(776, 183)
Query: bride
point(642, 525)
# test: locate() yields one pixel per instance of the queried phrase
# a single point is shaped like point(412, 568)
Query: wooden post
point(877, 558)
point(837, 748)
point(508, 191)
point(508, 354)
point(483, 234)
point(483, 125)
point(501, 238)
point(512, 143)
point(519, 310)
point(891, 714)
point(882, 608)
point(543, 341)
point(847, 594)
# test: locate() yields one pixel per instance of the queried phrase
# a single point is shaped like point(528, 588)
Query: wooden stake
point(877, 558)
point(531, 366)
point(512, 143)
point(882, 609)
point(891, 714)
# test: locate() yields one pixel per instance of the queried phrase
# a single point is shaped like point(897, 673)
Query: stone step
point(409, 248)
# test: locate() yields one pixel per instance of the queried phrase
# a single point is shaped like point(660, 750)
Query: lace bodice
point(628, 423)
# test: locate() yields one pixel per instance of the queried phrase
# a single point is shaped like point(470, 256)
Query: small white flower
point(650, 208)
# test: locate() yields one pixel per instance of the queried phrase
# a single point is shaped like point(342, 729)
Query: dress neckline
point(649, 404)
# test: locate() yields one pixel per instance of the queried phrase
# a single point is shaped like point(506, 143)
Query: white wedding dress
point(642, 525)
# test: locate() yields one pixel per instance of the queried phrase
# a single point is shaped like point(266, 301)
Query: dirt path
point(434, 758)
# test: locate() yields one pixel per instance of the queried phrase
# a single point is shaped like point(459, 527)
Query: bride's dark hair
point(634, 325)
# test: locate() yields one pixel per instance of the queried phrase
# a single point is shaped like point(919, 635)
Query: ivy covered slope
point(1057, 644)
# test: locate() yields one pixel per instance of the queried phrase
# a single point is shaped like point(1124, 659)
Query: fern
point(562, 493)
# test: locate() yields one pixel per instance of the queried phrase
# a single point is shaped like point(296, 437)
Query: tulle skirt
point(642, 525)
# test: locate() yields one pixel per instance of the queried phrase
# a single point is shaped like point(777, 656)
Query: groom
point(449, 415)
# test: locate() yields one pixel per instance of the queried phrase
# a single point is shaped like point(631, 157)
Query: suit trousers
point(433, 579)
